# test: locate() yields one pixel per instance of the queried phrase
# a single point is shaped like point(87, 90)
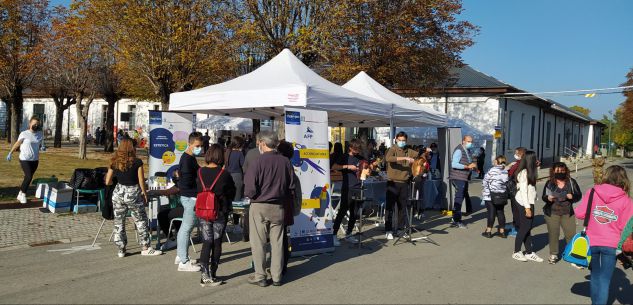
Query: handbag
point(511, 187)
point(578, 250)
point(499, 198)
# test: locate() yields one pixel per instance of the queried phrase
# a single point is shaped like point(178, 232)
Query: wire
point(622, 88)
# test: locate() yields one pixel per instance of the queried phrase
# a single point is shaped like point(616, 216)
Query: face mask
point(402, 144)
point(560, 176)
point(516, 157)
point(197, 151)
point(469, 145)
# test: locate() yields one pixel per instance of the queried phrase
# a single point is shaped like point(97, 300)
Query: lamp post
point(609, 143)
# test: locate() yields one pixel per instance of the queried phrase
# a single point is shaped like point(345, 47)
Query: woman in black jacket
point(559, 194)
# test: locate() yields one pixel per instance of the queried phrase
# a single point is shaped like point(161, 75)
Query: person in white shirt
point(526, 197)
point(29, 141)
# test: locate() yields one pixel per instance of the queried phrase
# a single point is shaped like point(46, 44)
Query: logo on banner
point(293, 118)
point(604, 215)
point(309, 133)
point(161, 141)
point(155, 117)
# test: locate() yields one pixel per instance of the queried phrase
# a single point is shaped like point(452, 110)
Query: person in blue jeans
point(188, 168)
point(461, 166)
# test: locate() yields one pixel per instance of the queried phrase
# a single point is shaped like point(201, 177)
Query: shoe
point(22, 198)
point(277, 284)
point(260, 283)
point(351, 239)
point(533, 257)
point(389, 235)
point(512, 233)
point(121, 253)
point(519, 256)
point(577, 267)
point(502, 234)
point(461, 225)
point(336, 242)
point(188, 267)
point(268, 274)
point(487, 234)
point(553, 259)
point(177, 260)
point(170, 244)
point(151, 252)
point(206, 281)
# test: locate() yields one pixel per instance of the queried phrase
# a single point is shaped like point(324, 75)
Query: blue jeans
point(461, 191)
point(602, 266)
point(184, 233)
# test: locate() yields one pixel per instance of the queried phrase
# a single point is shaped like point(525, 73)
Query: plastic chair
point(100, 192)
point(190, 237)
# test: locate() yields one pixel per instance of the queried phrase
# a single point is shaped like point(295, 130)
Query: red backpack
point(207, 204)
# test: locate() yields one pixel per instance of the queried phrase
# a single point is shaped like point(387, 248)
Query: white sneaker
point(22, 198)
point(533, 257)
point(151, 252)
point(188, 267)
point(336, 242)
point(577, 267)
point(351, 239)
point(519, 256)
point(177, 260)
point(389, 235)
point(121, 253)
point(170, 244)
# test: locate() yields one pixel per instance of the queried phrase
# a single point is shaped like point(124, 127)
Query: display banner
point(168, 139)
point(307, 130)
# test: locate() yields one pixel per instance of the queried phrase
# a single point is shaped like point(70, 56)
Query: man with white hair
point(461, 165)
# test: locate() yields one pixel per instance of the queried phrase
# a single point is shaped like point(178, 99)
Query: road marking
point(76, 249)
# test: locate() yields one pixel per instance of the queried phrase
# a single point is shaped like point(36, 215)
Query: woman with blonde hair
point(611, 209)
point(129, 194)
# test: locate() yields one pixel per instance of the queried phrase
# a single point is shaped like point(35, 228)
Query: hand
point(570, 196)
point(528, 213)
point(145, 198)
point(352, 168)
point(9, 157)
point(472, 166)
point(408, 159)
point(551, 198)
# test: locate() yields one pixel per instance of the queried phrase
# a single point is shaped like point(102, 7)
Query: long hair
point(528, 163)
point(552, 170)
point(124, 156)
point(616, 175)
point(418, 166)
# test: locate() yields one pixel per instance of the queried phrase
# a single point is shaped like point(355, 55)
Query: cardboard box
point(57, 207)
point(43, 189)
point(61, 193)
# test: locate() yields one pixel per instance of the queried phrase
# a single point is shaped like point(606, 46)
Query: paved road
point(465, 268)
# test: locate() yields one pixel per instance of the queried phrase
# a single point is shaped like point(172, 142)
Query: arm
point(522, 185)
point(108, 178)
point(298, 196)
point(457, 155)
point(581, 209)
point(141, 182)
point(626, 233)
point(391, 157)
point(576, 193)
point(250, 189)
point(14, 148)
point(545, 197)
point(485, 191)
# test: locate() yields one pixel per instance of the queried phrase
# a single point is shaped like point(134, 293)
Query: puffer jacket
point(494, 181)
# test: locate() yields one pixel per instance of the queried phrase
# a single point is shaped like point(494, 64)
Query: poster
point(168, 139)
point(307, 130)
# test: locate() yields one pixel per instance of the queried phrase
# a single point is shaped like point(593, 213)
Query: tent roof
point(406, 112)
point(283, 81)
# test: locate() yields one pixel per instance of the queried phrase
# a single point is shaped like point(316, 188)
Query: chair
point(100, 192)
point(190, 237)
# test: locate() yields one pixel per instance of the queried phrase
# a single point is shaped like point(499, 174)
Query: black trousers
point(514, 205)
point(212, 232)
point(29, 168)
point(524, 235)
point(495, 210)
point(397, 194)
point(347, 204)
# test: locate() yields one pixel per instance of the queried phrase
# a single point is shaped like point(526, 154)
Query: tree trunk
point(82, 118)
point(59, 123)
point(17, 101)
point(7, 122)
point(164, 97)
point(109, 127)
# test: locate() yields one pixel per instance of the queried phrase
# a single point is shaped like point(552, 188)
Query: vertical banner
point(307, 130)
point(168, 139)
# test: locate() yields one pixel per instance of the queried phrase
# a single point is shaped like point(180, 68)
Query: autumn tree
point(581, 109)
point(22, 25)
point(165, 46)
point(627, 105)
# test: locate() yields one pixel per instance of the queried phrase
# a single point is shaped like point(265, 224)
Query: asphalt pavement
point(465, 268)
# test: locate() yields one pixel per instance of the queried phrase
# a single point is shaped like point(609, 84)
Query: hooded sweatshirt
point(610, 211)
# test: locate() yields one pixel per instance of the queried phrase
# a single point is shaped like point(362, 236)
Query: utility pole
point(609, 144)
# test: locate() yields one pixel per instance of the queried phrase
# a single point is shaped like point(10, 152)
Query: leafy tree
point(22, 25)
point(581, 109)
point(627, 105)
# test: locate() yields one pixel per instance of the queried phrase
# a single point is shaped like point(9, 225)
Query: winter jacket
point(526, 193)
point(571, 187)
point(610, 211)
point(494, 181)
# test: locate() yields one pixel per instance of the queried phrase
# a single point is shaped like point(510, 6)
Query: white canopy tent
point(406, 113)
point(286, 81)
point(226, 123)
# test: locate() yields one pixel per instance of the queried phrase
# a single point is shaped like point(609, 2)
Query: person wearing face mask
point(187, 185)
point(348, 165)
point(461, 166)
point(519, 152)
point(399, 159)
point(559, 194)
point(29, 141)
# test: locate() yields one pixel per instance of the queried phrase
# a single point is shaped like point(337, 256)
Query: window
point(510, 128)
point(548, 137)
point(132, 111)
point(521, 134)
point(39, 111)
point(532, 135)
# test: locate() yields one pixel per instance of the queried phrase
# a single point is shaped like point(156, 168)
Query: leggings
point(347, 204)
point(495, 210)
point(29, 168)
point(524, 235)
point(211, 245)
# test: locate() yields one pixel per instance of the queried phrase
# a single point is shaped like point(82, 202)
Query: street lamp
point(609, 143)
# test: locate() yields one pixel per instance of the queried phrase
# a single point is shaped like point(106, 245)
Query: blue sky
point(552, 45)
point(545, 45)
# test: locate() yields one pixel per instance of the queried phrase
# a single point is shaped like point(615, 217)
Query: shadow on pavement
point(620, 290)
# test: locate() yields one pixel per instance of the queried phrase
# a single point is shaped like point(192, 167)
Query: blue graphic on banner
point(155, 117)
point(161, 140)
point(293, 118)
point(308, 243)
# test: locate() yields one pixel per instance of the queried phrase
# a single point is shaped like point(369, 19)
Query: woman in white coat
point(526, 176)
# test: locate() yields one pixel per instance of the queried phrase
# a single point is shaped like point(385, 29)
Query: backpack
point(578, 250)
point(207, 203)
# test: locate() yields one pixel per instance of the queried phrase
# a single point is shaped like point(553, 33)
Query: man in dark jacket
point(461, 166)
